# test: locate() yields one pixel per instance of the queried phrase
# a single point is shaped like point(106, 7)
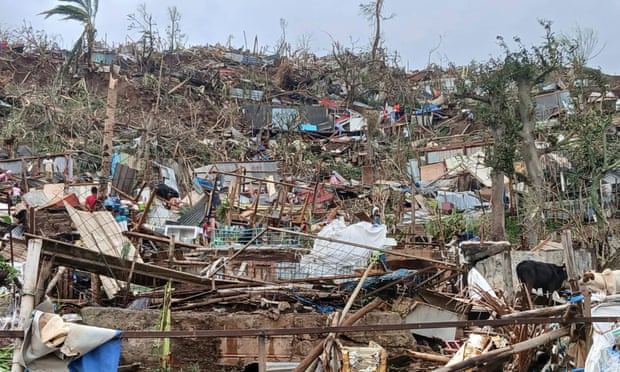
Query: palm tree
point(83, 11)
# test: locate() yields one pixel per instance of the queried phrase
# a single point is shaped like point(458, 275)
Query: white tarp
point(357, 123)
point(603, 337)
point(330, 258)
point(477, 283)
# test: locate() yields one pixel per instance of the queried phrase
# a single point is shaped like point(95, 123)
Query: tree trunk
point(533, 209)
point(498, 226)
point(375, 44)
point(108, 129)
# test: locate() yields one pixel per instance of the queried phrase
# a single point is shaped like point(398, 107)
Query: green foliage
point(221, 210)
point(451, 225)
point(12, 272)
point(513, 230)
point(6, 357)
point(348, 171)
point(83, 11)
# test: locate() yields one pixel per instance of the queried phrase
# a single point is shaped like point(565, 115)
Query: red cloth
point(91, 202)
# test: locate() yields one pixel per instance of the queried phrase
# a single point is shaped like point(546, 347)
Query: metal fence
point(239, 236)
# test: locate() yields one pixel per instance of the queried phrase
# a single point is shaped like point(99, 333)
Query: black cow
point(543, 275)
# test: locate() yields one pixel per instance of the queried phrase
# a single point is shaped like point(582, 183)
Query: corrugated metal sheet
point(196, 214)
point(13, 166)
point(125, 178)
point(168, 176)
point(257, 116)
point(414, 170)
point(473, 164)
point(100, 233)
point(461, 200)
point(35, 198)
point(254, 95)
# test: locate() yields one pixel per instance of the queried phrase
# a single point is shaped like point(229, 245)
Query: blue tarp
point(204, 182)
point(102, 359)
point(376, 281)
point(305, 127)
point(426, 109)
point(319, 308)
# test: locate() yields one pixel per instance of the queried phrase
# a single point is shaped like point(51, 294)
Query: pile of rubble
point(302, 242)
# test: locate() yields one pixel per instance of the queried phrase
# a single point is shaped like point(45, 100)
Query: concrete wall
point(494, 268)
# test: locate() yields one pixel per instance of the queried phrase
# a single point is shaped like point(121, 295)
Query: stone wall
point(190, 352)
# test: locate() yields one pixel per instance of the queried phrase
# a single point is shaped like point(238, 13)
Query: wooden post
point(413, 205)
point(30, 282)
point(507, 273)
point(569, 256)
point(171, 251)
point(316, 351)
point(587, 312)
point(108, 129)
point(146, 211)
point(262, 354)
point(95, 287)
point(256, 203)
point(341, 321)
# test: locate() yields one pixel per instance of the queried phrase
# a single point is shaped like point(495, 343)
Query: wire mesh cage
point(239, 236)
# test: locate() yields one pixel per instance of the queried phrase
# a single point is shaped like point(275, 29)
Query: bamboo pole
point(544, 311)
point(318, 348)
point(430, 357)
point(30, 282)
point(347, 307)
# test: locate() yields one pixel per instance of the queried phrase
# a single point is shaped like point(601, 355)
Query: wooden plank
point(432, 171)
point(569, 257)
point(80, 258)
point(31, 275)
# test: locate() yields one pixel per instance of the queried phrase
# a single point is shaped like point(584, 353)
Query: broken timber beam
point(318, 348)
point(430, 357)
point(80, 258)
point(506, 351)
point(545, 311)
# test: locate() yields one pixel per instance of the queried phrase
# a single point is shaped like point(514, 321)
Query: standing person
point(397, 111)
point(91, 200)
point(376, 216)
point(48, 167)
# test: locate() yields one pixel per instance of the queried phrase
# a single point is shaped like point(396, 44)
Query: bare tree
point(582, 46)
point(176, 38)
point(374, 13)
point(144, 23)
point(282, 46)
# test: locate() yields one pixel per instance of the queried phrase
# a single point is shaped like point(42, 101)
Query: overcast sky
point(463, 30)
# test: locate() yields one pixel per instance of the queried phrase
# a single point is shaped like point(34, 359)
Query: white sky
point(467, 28)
